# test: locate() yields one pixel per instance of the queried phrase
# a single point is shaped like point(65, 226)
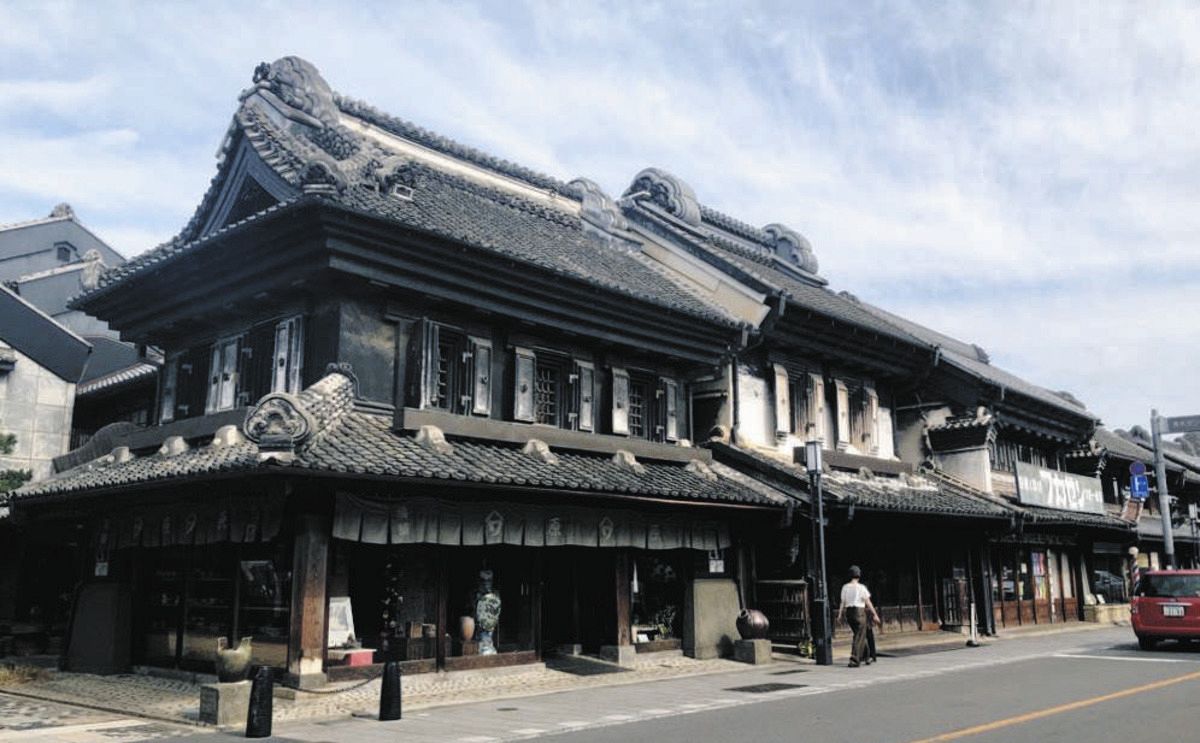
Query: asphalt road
point(1105, 693)
point(1093, 686)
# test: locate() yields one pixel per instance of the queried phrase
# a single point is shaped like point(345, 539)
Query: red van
point(1166, 606)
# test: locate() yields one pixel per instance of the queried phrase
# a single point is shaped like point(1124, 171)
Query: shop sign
point(1038, 486)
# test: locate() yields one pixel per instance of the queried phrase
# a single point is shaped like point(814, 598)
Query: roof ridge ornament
point(296, 83)
point(228, 435)
point(62, 211)
point(625, 460)
point(433, 439)
point(346, 369)
point(173, 446)
point(668, 192)
point(700, 468)
point(599, 209)
point(279, 424)
point(791, 247)
point(539, 450)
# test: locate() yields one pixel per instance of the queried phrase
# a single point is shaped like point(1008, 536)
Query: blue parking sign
point(1139, 487)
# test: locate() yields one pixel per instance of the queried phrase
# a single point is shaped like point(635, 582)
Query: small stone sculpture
point(233, 664)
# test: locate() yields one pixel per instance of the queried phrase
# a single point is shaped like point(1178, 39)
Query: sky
point(1024, 176)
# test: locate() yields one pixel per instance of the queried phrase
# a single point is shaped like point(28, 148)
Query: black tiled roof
point(357, 443)
point(547, 234)
point(970, 359)
point(911, 494)
point(757, 264)
point(1037, 515)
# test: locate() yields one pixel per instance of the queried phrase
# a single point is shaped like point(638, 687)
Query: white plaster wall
point(35, 406)
point(756, 408)
point(971, 465)
point(885, 442)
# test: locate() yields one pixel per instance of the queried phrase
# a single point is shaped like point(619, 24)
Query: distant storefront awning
point(379, 520)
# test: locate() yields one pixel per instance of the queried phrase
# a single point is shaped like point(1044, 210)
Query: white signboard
point(1037, 486)
point(341, 622)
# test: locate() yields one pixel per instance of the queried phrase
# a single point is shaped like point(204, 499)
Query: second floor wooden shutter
point(585, 395)
point(620, 401)
point(671, 409)
point(523, 385)
point(783, 401)
point(481, 376)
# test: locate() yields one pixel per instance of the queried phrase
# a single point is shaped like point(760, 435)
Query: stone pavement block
point(225, 704)
point(754, 652)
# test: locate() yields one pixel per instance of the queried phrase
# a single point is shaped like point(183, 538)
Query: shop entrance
point(579, 608)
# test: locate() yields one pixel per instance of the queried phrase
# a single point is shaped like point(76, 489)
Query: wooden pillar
point(622, 652)
point(623, 578)
point(306, 646)
point(443, 601)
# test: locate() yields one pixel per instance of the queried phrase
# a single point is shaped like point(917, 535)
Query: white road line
point(528, 731)
point(656, 711)
point(618, 718)
point(1123, 657)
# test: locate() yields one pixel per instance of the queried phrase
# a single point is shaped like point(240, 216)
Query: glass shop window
point(393, 593)
point(264, 598)
point(491, 608)
point(208, 607)
point(657, 585)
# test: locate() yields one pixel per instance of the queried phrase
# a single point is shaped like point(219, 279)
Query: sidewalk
point(588, 709)
point(178, 701)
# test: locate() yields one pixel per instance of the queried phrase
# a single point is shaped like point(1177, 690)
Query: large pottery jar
point(466, 628)
point(752, 624)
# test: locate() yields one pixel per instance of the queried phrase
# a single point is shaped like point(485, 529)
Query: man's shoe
point(852, 664)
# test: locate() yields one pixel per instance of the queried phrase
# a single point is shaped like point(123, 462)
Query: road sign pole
point(1164, 498)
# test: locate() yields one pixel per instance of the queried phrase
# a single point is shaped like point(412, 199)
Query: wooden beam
point(489, 429)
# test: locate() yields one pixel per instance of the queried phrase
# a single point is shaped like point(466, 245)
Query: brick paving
point(178, 701)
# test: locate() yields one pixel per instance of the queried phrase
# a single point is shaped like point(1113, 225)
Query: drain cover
point(789, 673)
point(766, 688)
point(506, 709)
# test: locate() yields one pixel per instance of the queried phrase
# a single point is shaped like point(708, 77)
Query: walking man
point(856, 608)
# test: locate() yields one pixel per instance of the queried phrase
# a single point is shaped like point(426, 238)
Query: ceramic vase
point(466, 628)
point(752, 624)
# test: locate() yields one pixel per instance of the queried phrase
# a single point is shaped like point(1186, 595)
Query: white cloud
point(969, 156)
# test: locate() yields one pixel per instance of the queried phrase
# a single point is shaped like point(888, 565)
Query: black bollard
point(262, 691)
point(389, 695)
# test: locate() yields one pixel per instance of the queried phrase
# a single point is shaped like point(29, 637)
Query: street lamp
point(822, 629)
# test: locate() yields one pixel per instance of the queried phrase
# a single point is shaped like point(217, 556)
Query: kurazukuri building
point(477, 415)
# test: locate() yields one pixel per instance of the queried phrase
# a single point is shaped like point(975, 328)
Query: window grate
point(441, 392)
point(638, 392)
point(546, 396)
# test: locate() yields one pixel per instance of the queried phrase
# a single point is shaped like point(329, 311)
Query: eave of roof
point(344, 442)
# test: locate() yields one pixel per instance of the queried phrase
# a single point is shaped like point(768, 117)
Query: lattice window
point(639, 395)
point(443, 388)
point(547, 393)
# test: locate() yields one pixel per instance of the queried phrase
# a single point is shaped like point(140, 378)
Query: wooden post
point(624, 631)
point(442, 555)
point(306, 646)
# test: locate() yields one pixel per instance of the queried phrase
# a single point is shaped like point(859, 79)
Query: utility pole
point(1164, 498)
point(823, 634)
